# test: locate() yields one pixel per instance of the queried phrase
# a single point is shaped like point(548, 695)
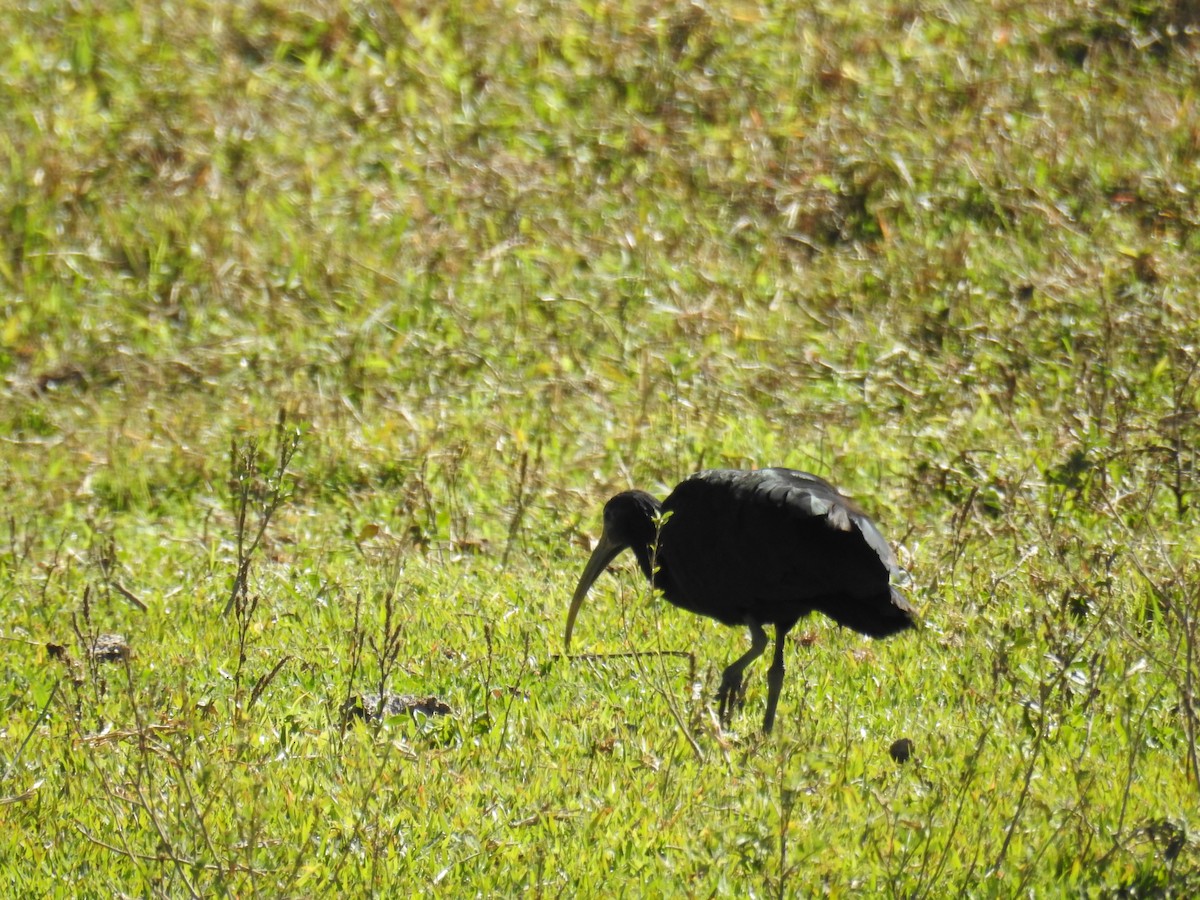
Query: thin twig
point(629, 654)
point(164, 856)
point(37, 724)
point(128, 595)
point(261, 684)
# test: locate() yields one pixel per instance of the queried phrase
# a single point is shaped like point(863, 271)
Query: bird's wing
point(809, 495)
point(766, 537)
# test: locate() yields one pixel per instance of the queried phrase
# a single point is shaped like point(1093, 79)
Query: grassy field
point(352, 315)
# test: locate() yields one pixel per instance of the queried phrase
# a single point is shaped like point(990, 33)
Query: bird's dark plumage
point(755, 548)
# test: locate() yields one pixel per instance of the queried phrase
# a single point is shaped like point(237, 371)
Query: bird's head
point(629, 522)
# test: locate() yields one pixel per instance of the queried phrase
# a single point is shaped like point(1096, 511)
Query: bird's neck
point(653, 566)
point(645, 559)
point(651, 562)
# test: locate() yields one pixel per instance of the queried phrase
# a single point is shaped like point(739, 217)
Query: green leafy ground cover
point(480, 265)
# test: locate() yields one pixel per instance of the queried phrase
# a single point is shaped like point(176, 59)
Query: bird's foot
point(730, 695)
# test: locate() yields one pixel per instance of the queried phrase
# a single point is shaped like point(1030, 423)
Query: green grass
point(493, 262)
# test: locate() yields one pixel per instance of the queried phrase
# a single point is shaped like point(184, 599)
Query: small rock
point(366, 706)
point(109, 648)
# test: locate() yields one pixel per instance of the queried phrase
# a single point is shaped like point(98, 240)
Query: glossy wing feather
point(815, 496)
point(773, 545)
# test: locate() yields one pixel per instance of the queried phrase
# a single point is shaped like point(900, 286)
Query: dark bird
point(764, 547)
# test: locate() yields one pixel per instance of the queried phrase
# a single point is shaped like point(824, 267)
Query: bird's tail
point(883, 615)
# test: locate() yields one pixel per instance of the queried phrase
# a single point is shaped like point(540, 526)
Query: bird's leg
point(775, 676)
point(730, 691)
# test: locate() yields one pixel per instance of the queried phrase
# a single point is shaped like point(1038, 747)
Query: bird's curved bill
point(606, 550)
